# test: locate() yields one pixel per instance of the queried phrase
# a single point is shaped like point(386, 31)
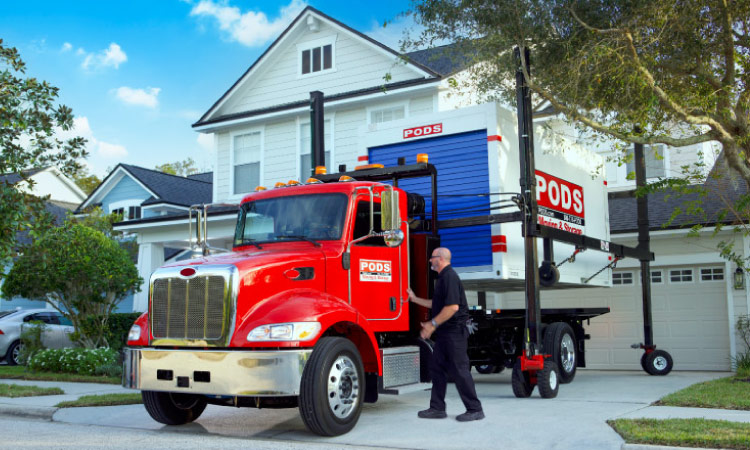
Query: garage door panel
point(629, 330)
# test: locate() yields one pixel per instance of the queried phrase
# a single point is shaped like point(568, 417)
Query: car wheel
point(560, 343)
point(173, 409)
point(13, 357)
point(332, 388)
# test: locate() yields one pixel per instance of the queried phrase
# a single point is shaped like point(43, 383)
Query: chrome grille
point(192, 308)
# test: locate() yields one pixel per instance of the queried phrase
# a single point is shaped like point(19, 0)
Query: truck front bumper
point(214, 372)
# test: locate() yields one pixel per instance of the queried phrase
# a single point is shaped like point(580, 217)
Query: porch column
point(150, 257)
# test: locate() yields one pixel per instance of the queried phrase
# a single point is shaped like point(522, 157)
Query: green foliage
point(81, 361)
point(117, 328)
point(31, 339)
point(181, 168)
point(86, 274)
point(86, 181)
point(742, 361)
point(29, 120)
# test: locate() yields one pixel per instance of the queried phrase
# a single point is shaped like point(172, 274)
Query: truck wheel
point(658, 362)
point(13, 357)
point(643, 361)
point(560, 343)
point(548, 380)
point(486, 368)
point(521, 382)
point(173, 409)
point(332, 388)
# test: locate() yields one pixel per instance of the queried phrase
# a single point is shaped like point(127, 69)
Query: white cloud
point(206, 141)
point(252, 28)
point(82, 128)
point(112, 56)
point(66, 47)
point(140, 97)
point(111, 151)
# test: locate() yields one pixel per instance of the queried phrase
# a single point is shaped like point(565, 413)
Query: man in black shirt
point(448, 326)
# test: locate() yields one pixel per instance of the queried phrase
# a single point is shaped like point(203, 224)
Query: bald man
point(448, 329)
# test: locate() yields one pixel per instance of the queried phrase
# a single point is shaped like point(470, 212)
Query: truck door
point(377, 281)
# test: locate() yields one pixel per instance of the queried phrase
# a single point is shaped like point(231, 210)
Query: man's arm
point(418, 300)
point(446, 313)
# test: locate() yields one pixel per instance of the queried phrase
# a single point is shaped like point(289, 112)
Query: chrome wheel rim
point(17, 354)
point(567, 353)
point(552, 379)
point(343, 387)
point(660, 363)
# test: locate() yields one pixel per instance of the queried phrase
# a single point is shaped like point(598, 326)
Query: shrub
point(82, 361)
point(31, 338)
point(116, 328)
point(742, 361)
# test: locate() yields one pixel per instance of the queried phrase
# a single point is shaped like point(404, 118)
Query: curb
point(36, 412)
point(627, 446)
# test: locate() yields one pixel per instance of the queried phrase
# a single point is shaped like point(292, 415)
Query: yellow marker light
point(369, 166)
point(321, 170)
point(312, 180)
point(422, 158)
point(279, 184)
point(346, 178)
point(293, 183)
point(260, 188)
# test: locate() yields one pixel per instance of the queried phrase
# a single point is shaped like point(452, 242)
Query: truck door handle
point(393, 303)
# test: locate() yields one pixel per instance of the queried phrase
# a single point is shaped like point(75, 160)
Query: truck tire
point(173, 409)
point(332, 387)
point(560, 343)
point(658, 362)
point(548, 380)
point(13, 357)
point(521, 382)
point(488, 368)
point(643, 361)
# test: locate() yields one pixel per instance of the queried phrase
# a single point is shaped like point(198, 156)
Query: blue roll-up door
point(461, 162)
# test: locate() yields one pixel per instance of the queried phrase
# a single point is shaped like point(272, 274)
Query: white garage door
point(689, 317)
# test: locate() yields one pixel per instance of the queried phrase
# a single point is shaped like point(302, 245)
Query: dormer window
point(316, 56)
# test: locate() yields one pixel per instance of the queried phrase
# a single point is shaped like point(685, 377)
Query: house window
point(305, 153)
point(134, 212)
point(387, 114)
point(681, 275)
point(620, 278)
point(656, 277)
point(655, 163)
point(120, 211)
point(712, 274)
point(317, 59)
point(246, 164)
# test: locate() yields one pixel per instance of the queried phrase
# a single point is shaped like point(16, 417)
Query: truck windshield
point(302, 217)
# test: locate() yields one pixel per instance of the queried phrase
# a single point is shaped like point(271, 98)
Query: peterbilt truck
point(310, 309)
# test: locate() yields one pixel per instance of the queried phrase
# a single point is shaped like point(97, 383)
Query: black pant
point(450, 357)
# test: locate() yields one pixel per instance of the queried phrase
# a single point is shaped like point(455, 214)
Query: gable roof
point(13, 178)
point(430, 75)
point(206, 177)
point(444, 60)
point(164, 187)
point(722, 186)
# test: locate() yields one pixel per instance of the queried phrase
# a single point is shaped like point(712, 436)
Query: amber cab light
point(422, 158)
point(293, 183)
point(369, 166)
point(346, 178)
point(260, 188)
point(320, 170)
point(312, 180)
point(279, 184)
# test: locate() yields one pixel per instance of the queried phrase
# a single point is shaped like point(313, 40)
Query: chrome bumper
point(213, 372)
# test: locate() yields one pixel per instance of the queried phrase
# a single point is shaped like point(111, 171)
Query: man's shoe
point(432, 414)
point(469, 416)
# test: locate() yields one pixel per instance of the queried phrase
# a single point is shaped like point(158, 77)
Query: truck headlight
point(135, 333)
point(293, 331)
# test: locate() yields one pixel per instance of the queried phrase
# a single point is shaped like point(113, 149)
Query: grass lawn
point(20, 373)
point(14, 390)
point(103, 400)
point(684, 432)
point(724, 393)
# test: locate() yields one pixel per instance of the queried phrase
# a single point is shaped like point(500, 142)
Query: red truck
point(310, 309)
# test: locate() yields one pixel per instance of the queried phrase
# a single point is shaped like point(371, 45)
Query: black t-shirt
point(450, 291)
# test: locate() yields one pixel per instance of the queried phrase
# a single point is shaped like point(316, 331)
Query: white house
point(261, 131)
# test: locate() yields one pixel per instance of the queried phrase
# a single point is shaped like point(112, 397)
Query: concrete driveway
point(575, 419)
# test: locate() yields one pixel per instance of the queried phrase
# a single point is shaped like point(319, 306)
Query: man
point(448, 325)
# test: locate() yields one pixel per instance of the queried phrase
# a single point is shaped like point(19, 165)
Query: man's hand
point(411, 294)
point(427, 330)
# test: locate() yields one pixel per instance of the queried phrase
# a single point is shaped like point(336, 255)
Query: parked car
point(56, 334)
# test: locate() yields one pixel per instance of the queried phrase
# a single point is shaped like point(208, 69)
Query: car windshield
point(299, 217)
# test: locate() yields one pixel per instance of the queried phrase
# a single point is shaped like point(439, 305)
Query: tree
point(86, 181)
point(29, 119)
point(86, 275)
point(181, 168)
point(672, 72)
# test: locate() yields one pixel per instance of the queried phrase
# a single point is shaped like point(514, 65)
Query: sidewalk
point(43, 406)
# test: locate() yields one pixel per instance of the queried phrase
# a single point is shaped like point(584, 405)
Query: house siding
point(126, 189)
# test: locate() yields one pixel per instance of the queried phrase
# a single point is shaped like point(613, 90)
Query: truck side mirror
point(389, 213)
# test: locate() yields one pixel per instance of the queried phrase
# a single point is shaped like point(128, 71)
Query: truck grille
point(192, 308)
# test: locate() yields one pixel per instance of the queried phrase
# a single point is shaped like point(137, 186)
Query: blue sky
point(138, 73)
